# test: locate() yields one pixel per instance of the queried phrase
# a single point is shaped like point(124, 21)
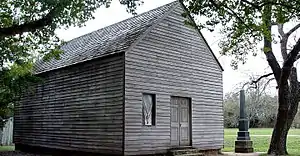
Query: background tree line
point(261, 107)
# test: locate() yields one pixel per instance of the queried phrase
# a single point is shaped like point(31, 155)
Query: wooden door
point(180, 121)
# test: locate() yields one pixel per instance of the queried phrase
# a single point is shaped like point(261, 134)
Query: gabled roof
point(109, 40)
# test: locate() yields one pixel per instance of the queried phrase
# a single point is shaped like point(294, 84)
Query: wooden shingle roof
point(108, 40)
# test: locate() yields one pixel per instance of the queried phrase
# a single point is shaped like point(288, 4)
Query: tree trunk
point(293, 109)
point(291, 115)
point(278, 143)
point(286, 131)
point(278, 140)
point(288, 107)
point(294, 102)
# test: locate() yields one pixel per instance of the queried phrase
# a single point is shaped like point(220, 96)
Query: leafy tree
point(28, 27)
point(14, 79)
point(246, 24)
point(27, 33)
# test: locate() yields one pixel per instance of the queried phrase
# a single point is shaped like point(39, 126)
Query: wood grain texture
point(172, 60)
point(76, 108)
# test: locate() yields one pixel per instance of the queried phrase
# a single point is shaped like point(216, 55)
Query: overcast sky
point(107, 16)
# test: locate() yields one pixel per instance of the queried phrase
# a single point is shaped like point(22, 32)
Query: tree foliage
point(27, 28)
point(242, 22)
point(27, 33)
point(245, 25)
point(14, 80)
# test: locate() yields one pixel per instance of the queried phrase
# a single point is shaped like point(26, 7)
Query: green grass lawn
point(7, 148)
point(259, 131)
point(261, 143)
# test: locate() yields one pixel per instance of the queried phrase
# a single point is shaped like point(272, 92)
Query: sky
point(231, 78)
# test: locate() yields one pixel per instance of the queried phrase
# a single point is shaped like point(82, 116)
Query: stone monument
point(243, 144)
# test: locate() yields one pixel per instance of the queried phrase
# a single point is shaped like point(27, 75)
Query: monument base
point(243, 146)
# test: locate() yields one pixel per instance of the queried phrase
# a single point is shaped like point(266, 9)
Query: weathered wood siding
point(172, 59)
point(78, 108)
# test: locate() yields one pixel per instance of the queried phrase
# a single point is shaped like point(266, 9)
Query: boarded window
point(149, 109)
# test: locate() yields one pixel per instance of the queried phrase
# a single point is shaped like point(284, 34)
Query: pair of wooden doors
point(180, 121)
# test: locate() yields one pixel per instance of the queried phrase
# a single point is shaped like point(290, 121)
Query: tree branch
point(292, 55)
point(266, 75)
point(283, 41)
point(293, 29)
point(30, 26)
point(274, 23)
point(280, 29)
point(288, 63)
point(231, 12)
point(273, 63)
point(259, 6)
point(255, 82)
point(298, 56)
point(250, 3)
point(278, 4)
point(267, 83)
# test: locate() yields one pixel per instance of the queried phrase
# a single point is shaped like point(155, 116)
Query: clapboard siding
point(76, 108)
point(172, 60)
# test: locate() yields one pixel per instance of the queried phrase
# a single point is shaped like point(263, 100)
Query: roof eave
point(86, 60)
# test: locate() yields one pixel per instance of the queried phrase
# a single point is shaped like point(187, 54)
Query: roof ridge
point(141, 36)
point(124, 20)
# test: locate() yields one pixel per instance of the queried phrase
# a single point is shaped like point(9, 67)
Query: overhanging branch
point(283, 4)
point(30, 26)
point(260, 5)
point(231, 12)
point(266, 75)
point(254, 82)
point(250, 3)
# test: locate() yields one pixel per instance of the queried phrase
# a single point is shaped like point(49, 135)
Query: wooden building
point(141, 86)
